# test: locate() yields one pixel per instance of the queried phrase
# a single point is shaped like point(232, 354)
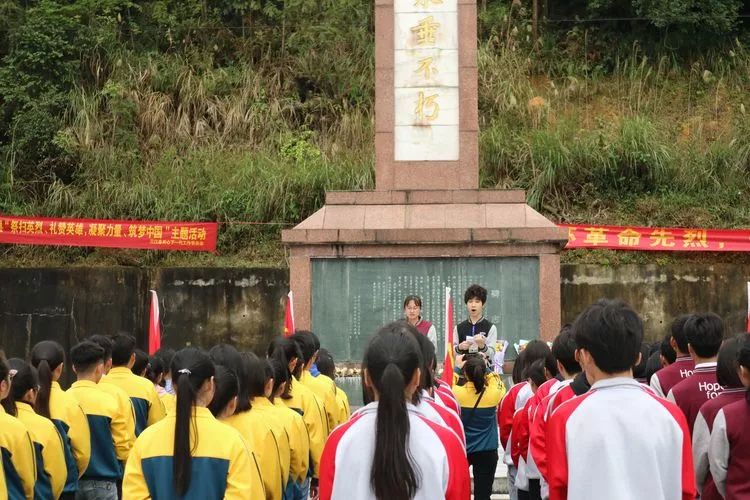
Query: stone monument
point(427, 224)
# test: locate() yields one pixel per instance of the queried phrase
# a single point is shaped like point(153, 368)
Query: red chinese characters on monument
point(657, 239)
point(187, 236)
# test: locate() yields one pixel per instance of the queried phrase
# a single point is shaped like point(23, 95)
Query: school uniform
point(729, 450)
point(440, 415)
point(147, 406)
point(342, 400)
point(73, 427)
point(111, 440)
point(303, 401)
point(325, 389)
point(691, 393)
point(479, 418)
point(124, 406)
point(483, 327)
point(663, 380)
point(444, 396)
point(513, 401)
point(268, 413)
point(347, 459)
point(221, 465)
point(260, 438)
point(600, 453)
point(169, 401)
point(48, 451)
point(530, 473)
point(19, 466)
point(428, 330)
point(299, 440)
point(702, 436)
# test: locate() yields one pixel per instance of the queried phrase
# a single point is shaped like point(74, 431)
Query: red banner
point(189, 236)
point(657, 239)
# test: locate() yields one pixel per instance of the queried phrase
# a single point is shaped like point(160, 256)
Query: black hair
point(105, 343)
point(474, 370)
point(141, 363)
point(191, 368)
point(518, 368)
point(427, 348)
point(743, 359)
point(227, 387)
point(639, 370)
point(165, 354)
point(23, 378)
point(280, 374)
point(391, 359)
point(667, 351)
point(536, 372)
point(123, 347)
point(653, 365)
point(704, 333)
point(46, 356)
point(229, 357)
point(564, 350)
point(726, 363)
point(316, 341)
point(154, 368)
point(677, 332)
point(612, 332)
point(413, 298)
point(306, 343)
point(475, 292)
point(538, 349)
point(85, 355)
point(257, 372)
point(285, 350)
point(325, 364)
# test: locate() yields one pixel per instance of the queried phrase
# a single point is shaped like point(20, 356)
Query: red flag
point(447, 376)
point(154, 324)
point(289, 315)
point(748, 307)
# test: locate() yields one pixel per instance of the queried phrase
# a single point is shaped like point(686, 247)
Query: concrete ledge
point(425, 197)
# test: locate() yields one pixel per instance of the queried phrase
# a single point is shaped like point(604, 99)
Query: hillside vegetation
point(623, 112)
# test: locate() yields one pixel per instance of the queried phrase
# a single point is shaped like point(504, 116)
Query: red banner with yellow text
point(657, 239)
point(189, 236)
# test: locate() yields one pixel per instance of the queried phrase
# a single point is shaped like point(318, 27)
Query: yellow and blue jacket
point(299, 440)
point(169, 401)
point(147, 406)
point(303, 401)
point(73, 427)
point(124, 406)
point(109, 428)
point(254, 427)
point(343, 402)
point(51, 470)
point(324, 388)
point(19, 466)
point(480, 420)
point(221, 465)
point(268, 413)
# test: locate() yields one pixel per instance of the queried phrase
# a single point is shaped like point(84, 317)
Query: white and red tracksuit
point(347, 459)
point(619, 441)
point(441, 415)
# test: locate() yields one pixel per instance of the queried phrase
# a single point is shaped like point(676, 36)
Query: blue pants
point(96, 490)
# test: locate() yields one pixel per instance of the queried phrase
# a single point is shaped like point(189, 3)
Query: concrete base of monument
point(429, 224)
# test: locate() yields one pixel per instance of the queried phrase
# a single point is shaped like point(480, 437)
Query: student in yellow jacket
point(48, 447)
point(294, 428)
point(327, 368)
point(190, 454)
point(110, 432)
point(53, 403)
point(323, 387)
point(19, 467)
point(255, 425)
point(124, 404)
point(146, 403)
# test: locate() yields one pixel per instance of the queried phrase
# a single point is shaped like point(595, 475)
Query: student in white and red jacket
point(728, 377)
point(619, 441)
point(388, 449)
point(704, 333)
point(729, 449)
point(663, 380)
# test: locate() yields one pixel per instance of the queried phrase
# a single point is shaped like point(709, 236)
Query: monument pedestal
point(417, 225)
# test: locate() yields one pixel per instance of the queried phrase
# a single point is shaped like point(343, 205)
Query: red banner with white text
point(188, 236)
point(657, 239)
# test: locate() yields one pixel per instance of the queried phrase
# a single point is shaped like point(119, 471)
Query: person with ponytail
point(190, 454)
point(327, 367)
point(255, 427)
point(48, 447)
point(19, 466)
point(302, 400)
point(295, 430)
point(729, 446)
point(52, 402)
point(410, 457)
point(479, 398)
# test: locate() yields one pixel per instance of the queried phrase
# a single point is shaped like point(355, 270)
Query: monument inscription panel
point(352, 298)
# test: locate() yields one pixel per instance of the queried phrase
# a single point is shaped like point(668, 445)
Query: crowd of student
point(584, 418)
